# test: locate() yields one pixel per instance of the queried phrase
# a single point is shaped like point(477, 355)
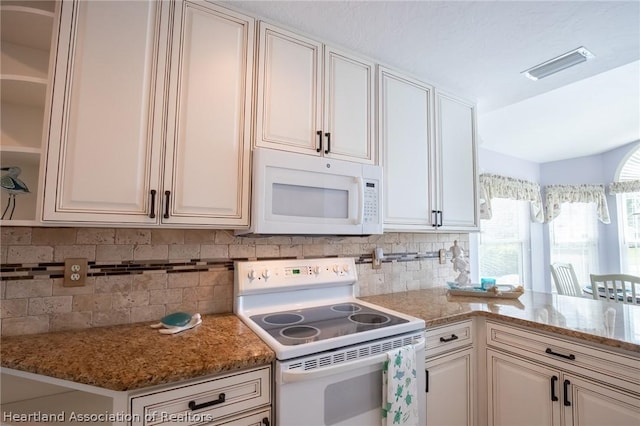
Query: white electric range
point(329, 345)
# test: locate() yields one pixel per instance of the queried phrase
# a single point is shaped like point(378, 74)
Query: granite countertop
point(612, 324)
point(128, 357)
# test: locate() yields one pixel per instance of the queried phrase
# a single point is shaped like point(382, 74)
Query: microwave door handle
point(360, 200)
point(303, 375)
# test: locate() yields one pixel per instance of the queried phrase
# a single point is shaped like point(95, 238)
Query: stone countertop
point(612, 324)
point(134, 356)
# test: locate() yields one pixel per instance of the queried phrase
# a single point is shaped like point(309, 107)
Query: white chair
point(617, 287)
point(565, 279)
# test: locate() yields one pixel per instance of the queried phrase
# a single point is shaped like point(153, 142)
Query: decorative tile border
point(10, 272)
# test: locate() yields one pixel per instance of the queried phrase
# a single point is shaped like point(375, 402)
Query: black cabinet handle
point(152, 212)
point(434, 218)
point(450, 339)
point(426, 388)
point(554, 380)
point(167, 195)
point(328, 135)
point(319, 133)
point(566, 385)
point(193, 406)
point(439, 218)
point(570, 356)
point(265, 421)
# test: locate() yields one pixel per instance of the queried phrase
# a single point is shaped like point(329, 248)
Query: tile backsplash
point(143, 274)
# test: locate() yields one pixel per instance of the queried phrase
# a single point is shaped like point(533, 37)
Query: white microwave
point(302, 194)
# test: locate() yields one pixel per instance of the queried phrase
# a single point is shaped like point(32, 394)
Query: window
point(573, 237)
point(630, 213)
point(504, 251)
point(629, 216)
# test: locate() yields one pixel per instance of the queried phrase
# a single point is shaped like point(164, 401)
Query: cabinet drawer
point(601, 364)
point(211, 399)
point(449, 337)
point(261, 418)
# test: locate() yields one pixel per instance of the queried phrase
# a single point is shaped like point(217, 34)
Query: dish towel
point(400, 388)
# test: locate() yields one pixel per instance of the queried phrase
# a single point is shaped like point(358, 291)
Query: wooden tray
point(504, 291)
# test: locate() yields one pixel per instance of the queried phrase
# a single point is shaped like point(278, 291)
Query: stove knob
point(316, 270)
point(336, 269)
point(266, 274)
point(345, 267)
point(252, 275)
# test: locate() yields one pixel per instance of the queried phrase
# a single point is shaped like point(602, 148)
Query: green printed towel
point(400, 388)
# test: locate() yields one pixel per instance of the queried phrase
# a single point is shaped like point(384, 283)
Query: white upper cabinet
point(312, 98)
point(457, 174)
point(404, 131)
point(26, 32)
point(430, 171)
point(141, 137)
point(209, 126)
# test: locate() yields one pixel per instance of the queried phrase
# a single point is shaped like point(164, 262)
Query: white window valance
point(624, 187)
point(555, 195)
point(496, 186)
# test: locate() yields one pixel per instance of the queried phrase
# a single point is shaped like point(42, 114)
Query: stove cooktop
point(296, 327)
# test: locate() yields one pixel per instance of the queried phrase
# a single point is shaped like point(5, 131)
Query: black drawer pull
point(426, 388)
point(265, 421)
point(193, 406)
point(152, 212)
point(570, 356)
point(328, 136)
point(566, 384)
point(554, 380)
point(450, 339)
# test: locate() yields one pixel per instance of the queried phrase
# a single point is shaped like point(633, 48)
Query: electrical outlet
point(443, 256)
point(75, 272)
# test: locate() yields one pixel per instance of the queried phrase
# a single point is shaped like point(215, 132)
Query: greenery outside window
point(505, 243)
point(573, 237)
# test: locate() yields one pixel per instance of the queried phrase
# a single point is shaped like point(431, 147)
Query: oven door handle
point(302, 375)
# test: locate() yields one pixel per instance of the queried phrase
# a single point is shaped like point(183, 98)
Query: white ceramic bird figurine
point(13, 185)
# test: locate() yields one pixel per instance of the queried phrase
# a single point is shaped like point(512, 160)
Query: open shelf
point(26, 33)
point(25, 24)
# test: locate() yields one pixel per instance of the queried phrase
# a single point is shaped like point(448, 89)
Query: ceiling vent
point(559, 63)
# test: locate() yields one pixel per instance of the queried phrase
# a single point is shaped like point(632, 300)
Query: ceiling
point(478, 49)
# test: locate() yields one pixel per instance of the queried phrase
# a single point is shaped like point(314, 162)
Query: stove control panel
point(279, 275)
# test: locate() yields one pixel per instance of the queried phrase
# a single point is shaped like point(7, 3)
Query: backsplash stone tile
point(143, 274)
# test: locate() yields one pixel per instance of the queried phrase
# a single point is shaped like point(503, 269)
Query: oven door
point(347, 394)
point(301, 194)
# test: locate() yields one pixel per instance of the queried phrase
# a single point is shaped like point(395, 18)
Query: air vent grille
point(352, 353)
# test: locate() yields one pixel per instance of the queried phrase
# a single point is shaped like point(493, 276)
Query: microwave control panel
point(370, 202)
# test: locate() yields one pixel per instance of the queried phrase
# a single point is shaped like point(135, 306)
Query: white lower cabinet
point(534, 379)
point(241, 398)
point(235, 399)
point(450, 374)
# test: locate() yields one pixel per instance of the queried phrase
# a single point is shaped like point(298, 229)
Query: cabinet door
point(405, 140)
point(450, 389)
point(208, 131)
point(348, 110)
point(595, 404)
point(289, 91)
point(456, 159)
point(521, 392)
point(105, 131)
